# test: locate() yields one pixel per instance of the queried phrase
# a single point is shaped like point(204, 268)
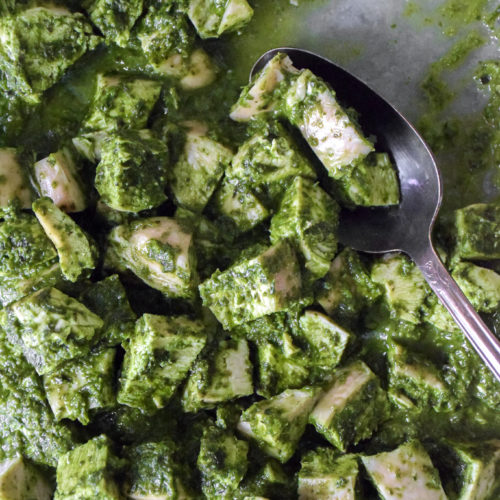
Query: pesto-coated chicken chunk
point(469, 469)
point(352, 406)
point(326, 474)
point(404, 286)
point(263, 94)
point(108, 299)
point(406, 472)
point(88, 472)
point(39, 44)
point(28, 259)
point(76, 250)
point(347, 288)
point(158, 358)
point(159, 250)
point(477, 231)
point(480, 285)
point(311, 105)
point(308, 218)
point(198, 171)
point(114, 18)
point(277, 424)
point(82, 386)
point(132, 173)
point(267, 164)
point(14, 182)
point(154, 472)
point(212, 18)
point(373, 182)
point(416, 377)
point(265, 284)
point(57, 178)
point(19, 480)
point(29, 427)
point(222, 462)
point(51, 328)
point(164, 32)
point(222, 375)
point(121, 101)
point(237, 204)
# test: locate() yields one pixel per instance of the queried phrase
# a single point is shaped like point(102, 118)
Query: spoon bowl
point(406, 227)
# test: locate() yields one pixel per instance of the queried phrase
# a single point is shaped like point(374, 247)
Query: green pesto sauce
point(473, 139)
point(467, 145)
point(452, 16)
point(436, 89)
point(262, 33)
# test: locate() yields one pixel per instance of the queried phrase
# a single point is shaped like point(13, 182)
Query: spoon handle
point(449, 293)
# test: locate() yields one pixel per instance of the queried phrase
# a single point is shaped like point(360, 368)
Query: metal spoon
point(408, 226)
